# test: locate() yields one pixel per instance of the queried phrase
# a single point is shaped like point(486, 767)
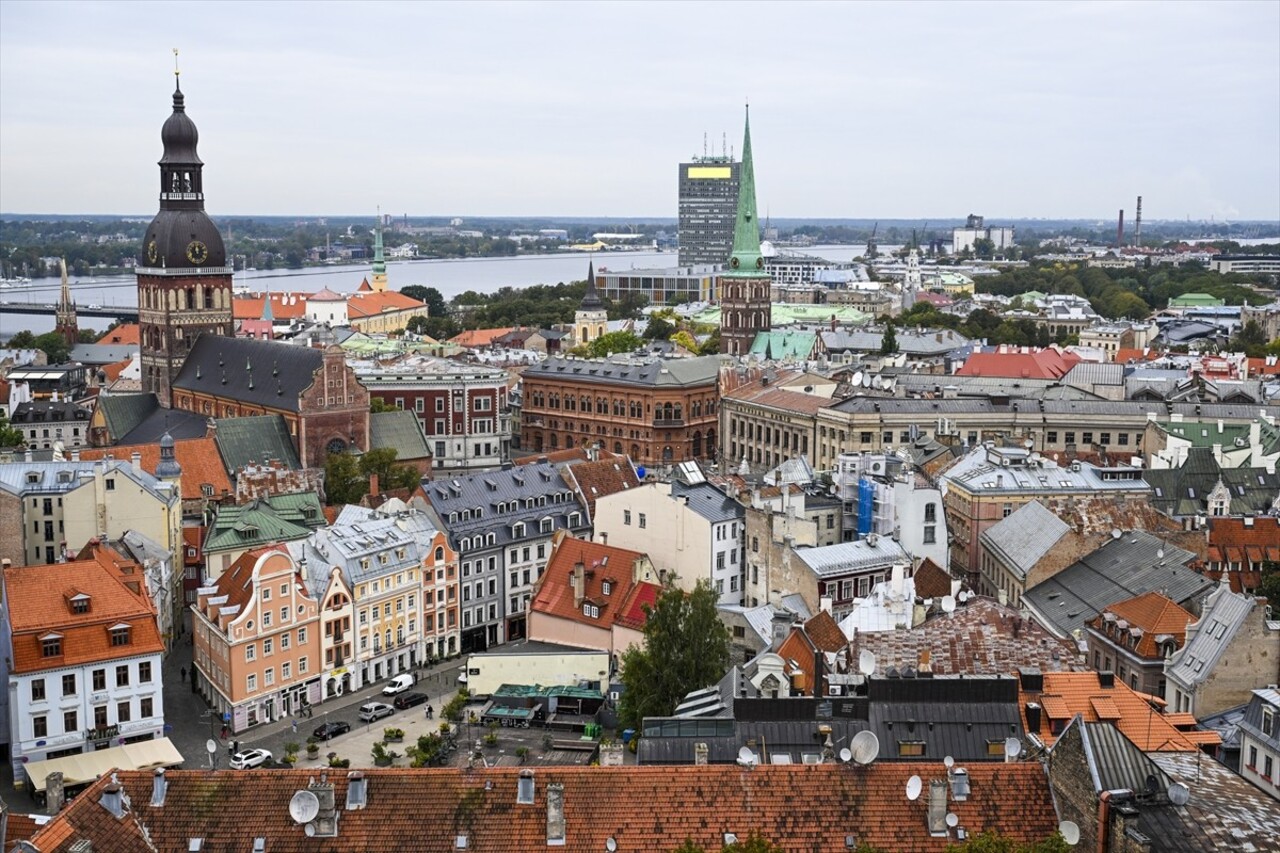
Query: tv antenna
point(867, 662)
point(914, 787)
point(866, 746)
point(1070, 832)
point(304, 807)
point(1179, 794)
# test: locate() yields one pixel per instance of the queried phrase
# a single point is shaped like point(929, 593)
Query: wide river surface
point(449, 276)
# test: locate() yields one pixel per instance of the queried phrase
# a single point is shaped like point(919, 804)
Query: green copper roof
point(379, 262)
point(258, 523)
point(746, 259)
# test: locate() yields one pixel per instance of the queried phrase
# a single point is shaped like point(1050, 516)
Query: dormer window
point(590, 610)
point(119, 635)
point(51, 645)
point(79, 603)
point(606, 587)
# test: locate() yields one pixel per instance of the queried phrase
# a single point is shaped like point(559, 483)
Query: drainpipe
point(1104, 813)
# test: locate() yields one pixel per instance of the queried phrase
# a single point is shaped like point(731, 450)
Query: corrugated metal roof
point(845, 557)
point(400, 431)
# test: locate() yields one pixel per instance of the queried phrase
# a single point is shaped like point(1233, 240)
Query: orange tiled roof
point(932, 581)
point(39, 599)
point(1233, 541)
point(556, 596)
point(598, 479)
point(479, 337)
point(825, 633)
point(1039, 364)
point(1067, 694)
point(374, 302)
point(199, 458)
point(191, 539)
point(1124, 356)
point(122, 335)
point(1259, 367)
point(1153, 613)
point(113, 371)
point(643, 809)
point(569, 454)
point(284, 307)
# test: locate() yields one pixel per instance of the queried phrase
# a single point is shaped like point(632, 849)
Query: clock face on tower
point(152, 251)
point(197, 252)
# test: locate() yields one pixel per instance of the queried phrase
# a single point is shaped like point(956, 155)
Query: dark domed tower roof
point(181, 236)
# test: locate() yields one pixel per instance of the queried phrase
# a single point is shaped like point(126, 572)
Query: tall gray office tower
point(708, 206)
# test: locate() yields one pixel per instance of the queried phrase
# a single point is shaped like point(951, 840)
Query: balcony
point(102, 733)
point(667, 423)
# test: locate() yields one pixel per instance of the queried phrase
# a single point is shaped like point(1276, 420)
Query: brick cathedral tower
point(745, 306)
point(184, 281)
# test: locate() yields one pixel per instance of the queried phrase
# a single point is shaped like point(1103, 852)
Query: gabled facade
point(1135, 637)
point(257, 641)
point(262, 522)
point(1260, 741)
point(82, 654)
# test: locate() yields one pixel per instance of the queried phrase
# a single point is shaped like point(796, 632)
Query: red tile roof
point(594, 480)
point(199, 458)
point(1124, 356)
point(556, 596)
point(479, 337)
point(931, 580)
point(1033, 364)
point(643, 809)
point(569, 454)
point(39, 601)
point(124, 334)
point(1153, 613)
point(1259, 367)
point(1066, 694)
point(374, 302)
point(284, 306)
point(1231, 540)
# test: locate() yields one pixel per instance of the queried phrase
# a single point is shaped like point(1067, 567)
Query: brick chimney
point(700, 754)
point(610, 755)
point(579, 582)
point(54, 792)
point(373, 484)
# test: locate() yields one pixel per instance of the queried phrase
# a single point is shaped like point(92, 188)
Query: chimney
point(578, 581)
point(604, 537)
point(326, 821)
point(373, 484)
point(113, 799)
point(54, 792)
point(700, 754)
point(1033, 718)
point(555, 814)
point(611, 755)
point(781, 629)
point(924, 661)
point(158, 788)
point(75, 454)
point(136, 459)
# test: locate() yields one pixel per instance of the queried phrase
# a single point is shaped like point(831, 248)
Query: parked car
point(399, 684)
point(371, 711)
point(333, 728)
point(408, 700)
point(249, 758)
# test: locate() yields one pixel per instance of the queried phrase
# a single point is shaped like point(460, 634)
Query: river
point(449, 276)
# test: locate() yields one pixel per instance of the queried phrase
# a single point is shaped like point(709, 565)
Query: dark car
point(408, 700)
point(324, 731)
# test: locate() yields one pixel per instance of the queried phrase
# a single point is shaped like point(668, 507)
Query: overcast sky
point(909, 109)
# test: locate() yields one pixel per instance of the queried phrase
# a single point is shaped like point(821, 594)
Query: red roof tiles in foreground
point(642, 809)
point(1020, 364)
point(600, 565)
point(198, 457)
point(122, 335)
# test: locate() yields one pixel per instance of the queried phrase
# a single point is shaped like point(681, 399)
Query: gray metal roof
point(176, 422)
point(1208, 638)
point(1088, 373)
point(1251, 720)
point(20, 478)
point(265, 373)
point(677, 372)
point(401, 431)
point(985, 470)
point(96, 354)
point(123, 412)
point(496, 500)
point(1135, 563)
point(246, 441)
point(845, 557)
point(909, 341)
point(1025, 536)
point(709, 502)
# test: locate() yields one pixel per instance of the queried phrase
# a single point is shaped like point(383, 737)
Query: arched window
point(335, 445)
point(635, 451)
point(439, 554)
point(697, 445)
point(617, 447)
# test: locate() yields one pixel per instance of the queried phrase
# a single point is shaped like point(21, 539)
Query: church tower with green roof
point(378, 280)
point(744, 289)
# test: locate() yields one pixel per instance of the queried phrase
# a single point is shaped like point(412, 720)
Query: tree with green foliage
point(711, 346)
point(382, 461)
point(378, 405)
point(611, 342)
point(440, 328)
point(9, 436)
point(1251, 340)
point(343, 483)
point(51, 344)
point(658, 329)
point(1270, 584)
point(436, 306)
point(682, 338)
point(889, 342)
point(686, 647)
point(989, 842)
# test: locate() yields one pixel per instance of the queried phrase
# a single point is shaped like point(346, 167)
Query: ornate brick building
point(184, 281)
point(657, 411)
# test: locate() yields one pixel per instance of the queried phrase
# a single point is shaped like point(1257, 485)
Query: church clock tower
point(745, 306)
point(184, 280)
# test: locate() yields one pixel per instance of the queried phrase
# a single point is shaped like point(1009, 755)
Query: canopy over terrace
point(88, 766)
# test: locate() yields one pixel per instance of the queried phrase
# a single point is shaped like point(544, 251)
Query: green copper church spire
point(746, 229)
point(379, 260)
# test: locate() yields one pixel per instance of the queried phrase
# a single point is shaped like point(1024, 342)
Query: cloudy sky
point(883, 110)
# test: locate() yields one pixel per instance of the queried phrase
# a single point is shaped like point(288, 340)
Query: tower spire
point(591, 297)
point(746, 230)
point(65, 313)
point(379, 259)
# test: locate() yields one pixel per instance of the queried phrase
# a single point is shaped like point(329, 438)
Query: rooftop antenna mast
point(176, 71)
point(704, 145)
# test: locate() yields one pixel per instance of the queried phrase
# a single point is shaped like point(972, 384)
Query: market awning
point(87, 766)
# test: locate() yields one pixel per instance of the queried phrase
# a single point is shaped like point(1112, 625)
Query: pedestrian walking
point(224, 731)
point(430, 712)
point(184, 673)
point(295, 727)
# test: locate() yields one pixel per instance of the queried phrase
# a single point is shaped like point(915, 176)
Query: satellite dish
point(211, 746)
point(746, 757)
point(304, 807)
point(948, 762)
point(611, 844)
point(866, 746)
point(1070, 832)
point(1116, 534)
point(866, 663)
point(1012, 746)
point(1179, 794)
point(310, 829)
point(888, 384)
point(845, 755)
point(963, 596)
point(914, 787)
point(876, 382)
point(1160, 554)
point(857, 378)
point(952, 820)
point(948, 604)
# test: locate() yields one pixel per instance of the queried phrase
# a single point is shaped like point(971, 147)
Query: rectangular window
point(122, 676)
point(268, 647)
point(1268, 721)
point(286, 671)
point(40, 726)
point(37, 690)
point(930, 513)
point(302, 634)
point(266, 619)
point(51, 647)
point(626, 516)
point(1051, 437)
point(642, 521)
point(930, 534)
point(1124, 439)
point(912, 748)
point(144, 672)
point(302, 665)
point(99, 680)
point(119, 636)
point(124, 712)
point(251, 652)
point(146, 708)
point(251, 682)
point(1104, 438)
point(69, 683)
point(284, 641)
point(269, 677)
point(70, 721)
point(1070, 437)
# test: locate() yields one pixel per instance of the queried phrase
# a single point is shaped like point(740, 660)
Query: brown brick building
point(657, 411)
point(325, 407)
